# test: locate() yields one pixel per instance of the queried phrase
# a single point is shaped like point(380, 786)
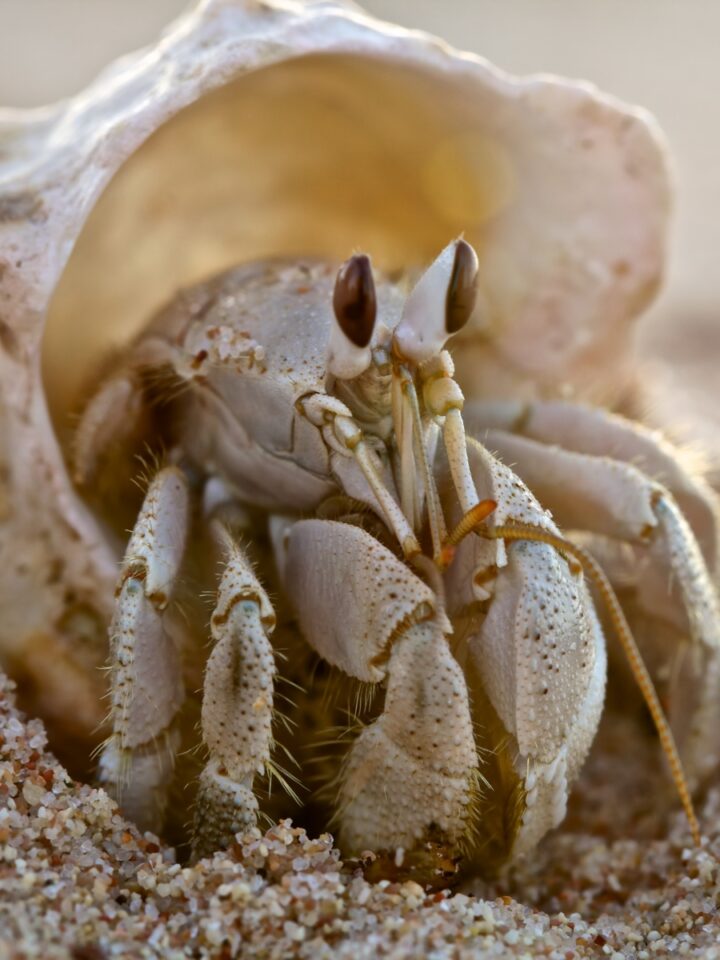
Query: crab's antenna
point(468, 524)
point(589, 565)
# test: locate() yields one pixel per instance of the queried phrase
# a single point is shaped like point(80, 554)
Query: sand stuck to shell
point(617, 880)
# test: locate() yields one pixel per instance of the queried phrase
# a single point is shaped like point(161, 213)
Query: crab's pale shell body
point(233, 376)
point(256, 129)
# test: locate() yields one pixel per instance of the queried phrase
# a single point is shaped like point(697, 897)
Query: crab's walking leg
point(111, 414)
point(114, 412)
point(147, 691)
point(414, 769)
point(615, 499)
point(237, 704)
point(599, 433)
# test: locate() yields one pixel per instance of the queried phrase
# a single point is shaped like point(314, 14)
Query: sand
point(619, 879)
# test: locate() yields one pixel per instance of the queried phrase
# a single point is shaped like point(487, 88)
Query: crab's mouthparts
point(427, 403)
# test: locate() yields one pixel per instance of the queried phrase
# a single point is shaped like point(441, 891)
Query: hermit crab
point(411, 534)
point(409, 555)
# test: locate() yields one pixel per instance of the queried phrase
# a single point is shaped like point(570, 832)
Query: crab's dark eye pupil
point(462, 289)
point(354, 300)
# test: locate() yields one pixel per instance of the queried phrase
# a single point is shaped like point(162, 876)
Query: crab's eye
point(355, 308)
point(440, 303)
point(462, 289)
point(354, 300)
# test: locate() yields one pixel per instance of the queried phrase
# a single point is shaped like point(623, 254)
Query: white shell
point(260, 127)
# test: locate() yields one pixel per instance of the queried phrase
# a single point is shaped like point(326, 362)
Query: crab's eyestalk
point(355, 308)
point(440, 303)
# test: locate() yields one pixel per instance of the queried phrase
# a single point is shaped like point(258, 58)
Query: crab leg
point(414, 769)
point(111, 415)
point(114, 413)
point(615, 499)
point(147, 691)
point(237, 704)
point(599, 433)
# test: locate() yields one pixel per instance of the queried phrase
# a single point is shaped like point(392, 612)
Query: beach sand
point(618, 879)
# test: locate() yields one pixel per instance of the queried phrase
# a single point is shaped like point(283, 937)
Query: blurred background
point(662, 54)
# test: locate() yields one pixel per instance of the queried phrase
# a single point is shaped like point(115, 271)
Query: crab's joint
point(134, 579)
point(441, 395)
point(198, 360)
point(347, 432)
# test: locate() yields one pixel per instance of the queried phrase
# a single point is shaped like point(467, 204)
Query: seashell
point(266, 127)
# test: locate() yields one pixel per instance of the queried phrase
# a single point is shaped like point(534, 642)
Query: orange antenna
point(480, 512)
